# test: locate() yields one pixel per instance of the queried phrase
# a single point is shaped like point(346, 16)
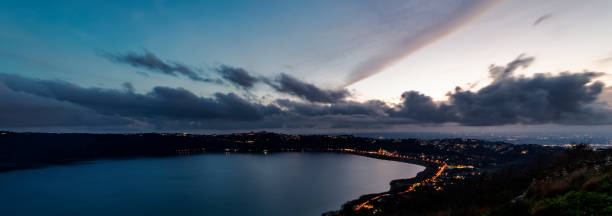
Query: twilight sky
point(305, 66)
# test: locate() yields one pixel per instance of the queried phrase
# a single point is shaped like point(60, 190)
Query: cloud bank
point(20, 109)
point(565, 98)
point(239, 77)
point(160, 102)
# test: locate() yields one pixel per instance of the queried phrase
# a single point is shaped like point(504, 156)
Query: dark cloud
point(161, 102)
point(237, 76)
point(422, 109)
point(541, 19)
point(543, 98)
point(511, 99)
point(606, 96)
point(285, 83)
point(128, 86)
point(22, 110)
point(566, 98)
point(500, 72)
point(149, 61)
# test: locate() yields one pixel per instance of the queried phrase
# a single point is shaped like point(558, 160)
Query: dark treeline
point(25, 150)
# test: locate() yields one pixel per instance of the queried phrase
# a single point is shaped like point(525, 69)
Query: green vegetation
point(575, 203)
point(578, 183)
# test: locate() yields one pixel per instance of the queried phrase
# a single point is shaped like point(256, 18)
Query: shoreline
point(398, 186)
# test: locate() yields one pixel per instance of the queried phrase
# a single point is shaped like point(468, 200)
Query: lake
point(206, 184)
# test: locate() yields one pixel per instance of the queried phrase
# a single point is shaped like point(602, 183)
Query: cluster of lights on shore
point(441, 167)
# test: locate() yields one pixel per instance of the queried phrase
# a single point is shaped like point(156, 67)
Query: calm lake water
point(207, 184)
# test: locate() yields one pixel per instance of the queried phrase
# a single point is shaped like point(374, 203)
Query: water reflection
point(209, 184)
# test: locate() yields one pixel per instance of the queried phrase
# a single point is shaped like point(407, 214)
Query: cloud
point(500, 72)
point(151, 62)
point(543, 98)
point(128, 86)
point(565, 98)
point(237, 76)
point(438, 28)
point(606, 97)
point(420, 108)
point(285, 83)
point(161, 102)
point(541, 19)
point(22, 110)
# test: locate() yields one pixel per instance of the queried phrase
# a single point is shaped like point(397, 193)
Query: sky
point(305, 66)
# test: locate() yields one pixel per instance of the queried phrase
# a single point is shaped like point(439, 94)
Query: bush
point(576, 203)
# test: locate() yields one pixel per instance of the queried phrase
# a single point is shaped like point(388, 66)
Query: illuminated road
point(367, 204)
